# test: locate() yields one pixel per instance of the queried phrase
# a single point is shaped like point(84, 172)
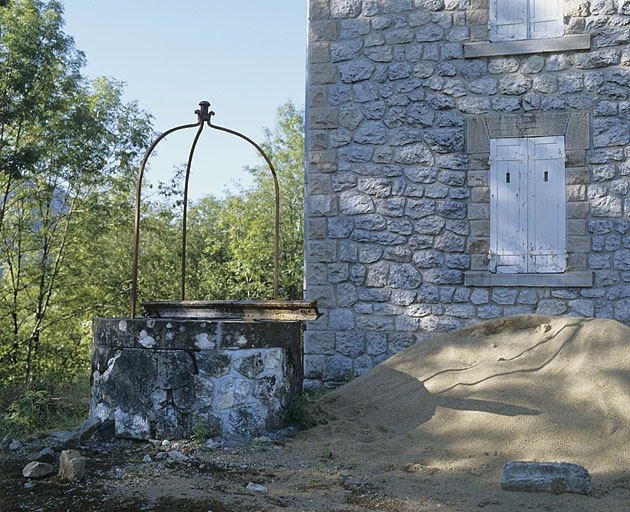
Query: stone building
point(467, 160)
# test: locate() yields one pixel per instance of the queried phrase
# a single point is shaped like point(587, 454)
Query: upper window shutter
point(546, 214)
point(508, 196)
point(545, 19)
point(508, 20)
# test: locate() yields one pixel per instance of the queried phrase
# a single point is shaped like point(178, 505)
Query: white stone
point(131, 425)
point(145, 340)
point(203, 343)
point(256, 488)
point(273, 360)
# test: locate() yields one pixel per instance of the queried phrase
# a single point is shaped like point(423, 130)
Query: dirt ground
point(429, 429)
point(298, 475)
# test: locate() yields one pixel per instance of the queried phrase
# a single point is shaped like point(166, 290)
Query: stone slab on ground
point(553, 477)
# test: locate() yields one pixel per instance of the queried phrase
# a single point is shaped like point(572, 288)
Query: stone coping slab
point(246, 310)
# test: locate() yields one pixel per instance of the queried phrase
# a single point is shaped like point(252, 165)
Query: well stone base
point(166, 379)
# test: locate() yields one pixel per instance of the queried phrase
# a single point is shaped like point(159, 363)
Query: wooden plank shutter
point(545, 19)
point(508, 20)
point(508, 208)
point(527, 205)
point(546, 213)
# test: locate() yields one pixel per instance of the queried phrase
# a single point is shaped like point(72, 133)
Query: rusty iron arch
point(204, 117)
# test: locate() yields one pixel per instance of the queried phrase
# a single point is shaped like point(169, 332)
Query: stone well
point(164, 378)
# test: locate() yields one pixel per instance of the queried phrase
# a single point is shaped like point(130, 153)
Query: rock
point(210, 445)
point(46, 455)
point(15, 446)
point(72, 465)
point(62, 440)
point(147, 458)
point(554, 477)
point(256, 487)
point(88, 430)
point(107, 430)
point(38, 470)
point(6, 441)
point(177, 456)
point(92, 430)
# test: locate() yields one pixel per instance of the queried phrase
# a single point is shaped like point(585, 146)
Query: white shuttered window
point(515, 20)
point(527, 205)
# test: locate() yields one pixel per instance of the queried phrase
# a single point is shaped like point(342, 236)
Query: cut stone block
point(553, 477)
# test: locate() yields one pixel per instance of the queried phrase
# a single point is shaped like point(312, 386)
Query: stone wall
point(162, 379)
point(403, 96)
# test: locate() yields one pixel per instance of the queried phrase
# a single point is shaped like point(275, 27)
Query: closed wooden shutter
point(508, 214)
point(546, 210)
point(527, 205)
point(545, 19)
point(516, 20)
point(508, 20)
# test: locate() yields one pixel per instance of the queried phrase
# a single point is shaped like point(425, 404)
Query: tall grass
point(31, 413)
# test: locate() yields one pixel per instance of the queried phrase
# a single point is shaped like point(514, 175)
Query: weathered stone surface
point(60, 440)
point(46, 455)
point(177, 457)
point(553, 477)
point(92, 430)
point(38, 470)
point(236, 376)
point(72, 465)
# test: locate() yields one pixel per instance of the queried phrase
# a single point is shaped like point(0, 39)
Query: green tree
point(68, 150)
point(231, 239)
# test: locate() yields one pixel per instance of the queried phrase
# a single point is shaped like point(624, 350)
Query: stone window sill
point(555, 44)
point(566, 280)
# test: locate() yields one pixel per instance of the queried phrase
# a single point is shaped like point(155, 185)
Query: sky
point(245, 57)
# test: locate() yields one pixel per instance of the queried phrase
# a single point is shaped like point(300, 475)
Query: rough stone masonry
point(403, 98)
point(167, 379)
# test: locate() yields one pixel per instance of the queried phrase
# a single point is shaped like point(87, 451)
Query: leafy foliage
point(65, 146)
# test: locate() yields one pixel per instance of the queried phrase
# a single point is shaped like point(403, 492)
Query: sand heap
point(521, 388)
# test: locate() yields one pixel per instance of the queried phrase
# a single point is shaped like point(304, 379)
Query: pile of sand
point(522, 388)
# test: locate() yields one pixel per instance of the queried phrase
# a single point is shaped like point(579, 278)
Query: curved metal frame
point(204, 116)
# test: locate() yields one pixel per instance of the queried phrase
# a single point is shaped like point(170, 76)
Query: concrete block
point(553, 477)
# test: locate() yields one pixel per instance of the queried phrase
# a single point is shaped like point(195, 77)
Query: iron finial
point(204, 112)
